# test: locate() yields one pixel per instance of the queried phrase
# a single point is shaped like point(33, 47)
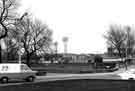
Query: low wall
point(75, 85)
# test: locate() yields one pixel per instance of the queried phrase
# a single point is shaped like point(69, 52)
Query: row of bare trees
point(24, 34)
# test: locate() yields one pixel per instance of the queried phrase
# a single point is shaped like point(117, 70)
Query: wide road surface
point(78, 76)
point(55, 76)
point(62, 76)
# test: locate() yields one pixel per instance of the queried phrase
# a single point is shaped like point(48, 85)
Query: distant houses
point(78, 58)
point(69, 58)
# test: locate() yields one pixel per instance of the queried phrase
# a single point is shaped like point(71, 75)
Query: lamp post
point(56, 46)
point(127, 45)
point(128, 29)
point(19, 21)
point(65, 40)
point(56, 50)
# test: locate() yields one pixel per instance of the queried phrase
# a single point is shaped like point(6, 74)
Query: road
point(78, 76)
point(55, 77)
point(62, 76)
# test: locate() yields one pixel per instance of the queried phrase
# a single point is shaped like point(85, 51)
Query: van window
point(25, 68)
point(4, 68)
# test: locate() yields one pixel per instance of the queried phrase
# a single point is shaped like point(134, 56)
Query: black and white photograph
point(67, 45)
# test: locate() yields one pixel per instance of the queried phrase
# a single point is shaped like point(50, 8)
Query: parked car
point(129, 74)
point(9, 71)
point(103, 67)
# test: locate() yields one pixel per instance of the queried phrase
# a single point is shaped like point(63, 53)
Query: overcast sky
point(83, 21)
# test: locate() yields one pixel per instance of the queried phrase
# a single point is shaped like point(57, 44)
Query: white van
point(10, 71)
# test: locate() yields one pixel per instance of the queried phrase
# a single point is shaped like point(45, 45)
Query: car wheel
point(4, 80)
point(30, 79)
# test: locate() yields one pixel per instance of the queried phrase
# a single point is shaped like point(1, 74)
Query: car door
point(25, 71)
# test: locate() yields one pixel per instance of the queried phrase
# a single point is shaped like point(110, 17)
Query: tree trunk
point(124, 62)
point(119, 53)
point(28, 59)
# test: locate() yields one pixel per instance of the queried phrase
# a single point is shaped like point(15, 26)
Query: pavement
point(124, 69)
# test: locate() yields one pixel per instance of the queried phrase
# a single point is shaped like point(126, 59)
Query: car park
point(129, 74)
point(12, 71)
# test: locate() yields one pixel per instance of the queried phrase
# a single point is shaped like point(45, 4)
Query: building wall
point(77, 58)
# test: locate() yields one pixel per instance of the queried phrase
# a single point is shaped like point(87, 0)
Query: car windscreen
point(25, 68)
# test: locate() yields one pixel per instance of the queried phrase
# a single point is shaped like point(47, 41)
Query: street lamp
point(56, 46)
point(128, 29)
point(127, 45)
point(56, 50)
point(19, 21)
point(65, 40)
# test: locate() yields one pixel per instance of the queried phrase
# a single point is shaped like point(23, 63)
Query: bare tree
point(116, 39)
point(121, 41)
point(7, 15)
point(130, 41)
point(35, 36)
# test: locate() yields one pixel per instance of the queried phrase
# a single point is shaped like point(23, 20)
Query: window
point(4, 68)
point(25, 68)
